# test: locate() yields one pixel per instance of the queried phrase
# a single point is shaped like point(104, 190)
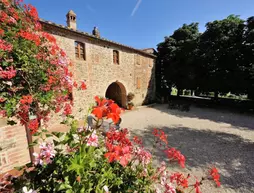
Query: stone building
point(110, 70)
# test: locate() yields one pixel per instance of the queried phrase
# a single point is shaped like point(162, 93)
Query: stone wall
point(13, 146)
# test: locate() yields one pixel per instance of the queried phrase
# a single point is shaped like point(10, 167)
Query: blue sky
point(140, 23)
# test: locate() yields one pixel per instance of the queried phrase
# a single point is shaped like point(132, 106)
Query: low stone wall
point(13, 146)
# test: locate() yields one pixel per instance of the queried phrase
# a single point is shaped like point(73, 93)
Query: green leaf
point(58, 134)
point(49, 135)
point(64, 187)
point(34, 143)
point(11, 122)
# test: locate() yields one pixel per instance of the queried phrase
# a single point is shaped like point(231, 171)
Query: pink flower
point(9, 73)
point(162, 168)
point(169, 188)
point(46, 154)
point(3, 113)
point(93, 140)
point(12, 20)
point(143, 156)
point(38, 159)
point(5, 46)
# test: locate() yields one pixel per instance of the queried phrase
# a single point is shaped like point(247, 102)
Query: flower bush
point(86, 160)
point(34, 71)
point(35, 79)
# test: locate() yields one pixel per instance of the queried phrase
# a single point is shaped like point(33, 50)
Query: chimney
point(96, 32)
point(71, 20)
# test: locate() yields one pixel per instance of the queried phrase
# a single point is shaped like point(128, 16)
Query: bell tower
point(71, 20)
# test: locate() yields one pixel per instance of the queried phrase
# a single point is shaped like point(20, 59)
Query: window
point(115, 57)
point(138, 83)
point(80, 50)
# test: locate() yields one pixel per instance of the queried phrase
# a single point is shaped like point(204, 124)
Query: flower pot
point(130, 107)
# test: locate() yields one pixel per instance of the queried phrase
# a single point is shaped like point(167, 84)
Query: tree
point(178, 54)
point(249, 57)
point(221, 56)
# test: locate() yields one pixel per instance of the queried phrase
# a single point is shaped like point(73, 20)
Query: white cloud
point(136, 7)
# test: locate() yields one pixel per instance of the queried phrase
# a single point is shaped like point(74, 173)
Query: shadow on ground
point(241, 121)
point(230, 153)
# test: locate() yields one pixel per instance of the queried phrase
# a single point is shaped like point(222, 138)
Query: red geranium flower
point(137, 140)
point(67, 109)
point(180, 179)
point(26, 99)
point(197, 186)
point(175, 155)
point(215, 175)
point(83, 85)
point(33, 125)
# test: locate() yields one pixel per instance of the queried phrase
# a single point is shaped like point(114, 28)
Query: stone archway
point(117, 92)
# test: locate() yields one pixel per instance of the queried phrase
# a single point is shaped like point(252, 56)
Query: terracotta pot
point(130, 107)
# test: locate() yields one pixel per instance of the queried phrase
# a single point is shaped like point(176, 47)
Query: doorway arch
point(117, 92)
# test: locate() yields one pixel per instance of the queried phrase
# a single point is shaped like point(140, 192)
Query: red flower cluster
point(180, 179)
point(49, 37)
point(118, 137)
point(119, 147)
point(1, 32)
point(67, 109)
point(26, 100)
point(83, 85)
point(197, 186)
point(9, 73)
point(118, 153)
point(6, 3)
point(31, 11)
point(175, 155)
point(106, 108)
point(50, 62)
point(14, 13)
point(3, 16)
point(215, 175)
point(33, 125)
point(30, 36)
point(5, 46)
point(137, 140)
point(160, 135)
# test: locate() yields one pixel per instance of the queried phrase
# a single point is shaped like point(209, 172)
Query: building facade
point(109, 69)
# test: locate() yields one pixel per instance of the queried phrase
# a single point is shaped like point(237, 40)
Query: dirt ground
point(207, 138)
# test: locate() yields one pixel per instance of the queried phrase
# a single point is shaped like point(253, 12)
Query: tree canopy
point(218, 60)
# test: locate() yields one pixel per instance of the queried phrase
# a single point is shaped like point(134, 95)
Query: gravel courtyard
point(207, 138)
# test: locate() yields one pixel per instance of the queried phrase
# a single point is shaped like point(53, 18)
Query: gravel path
point(206, 137)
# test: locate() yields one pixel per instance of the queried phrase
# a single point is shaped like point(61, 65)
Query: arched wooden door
point(117, 92)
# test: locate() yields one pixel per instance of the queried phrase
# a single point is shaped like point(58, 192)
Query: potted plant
point(130, 105)
point(130, 97)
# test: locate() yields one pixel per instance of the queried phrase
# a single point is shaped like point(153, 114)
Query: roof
point(44, 22)
point(148, 49)
point(71, 12)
